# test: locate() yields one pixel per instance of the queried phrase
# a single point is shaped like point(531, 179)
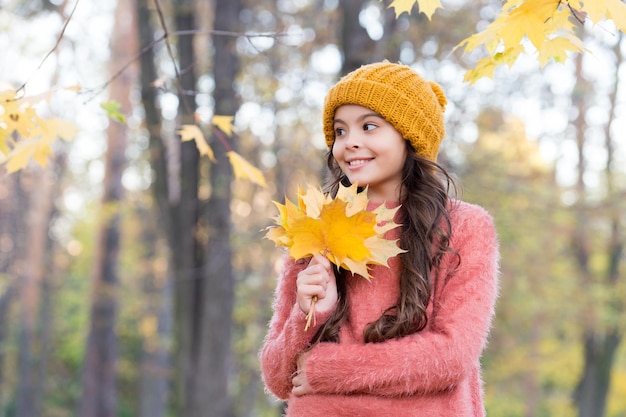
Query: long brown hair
point(425, 236)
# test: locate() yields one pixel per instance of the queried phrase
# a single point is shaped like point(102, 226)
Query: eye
point(339, 131)
point(369, 126)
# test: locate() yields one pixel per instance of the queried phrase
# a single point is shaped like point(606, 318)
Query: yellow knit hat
point(413, 106)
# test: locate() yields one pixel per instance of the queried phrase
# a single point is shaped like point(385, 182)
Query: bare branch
point(56, 45)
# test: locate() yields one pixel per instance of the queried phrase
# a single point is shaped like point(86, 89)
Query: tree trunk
point(13, 203)
point(218, 288)
point(156, 360)
point(5, 301)
point(600, 340)
point(30, 293)
point(99, 396)
point(357, 47)
point(187, 254)
point(593, 388)
point(46, 321)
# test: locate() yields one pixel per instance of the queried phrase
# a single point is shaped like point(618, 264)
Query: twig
point(125, 66)
point(311, 314)
point(221, 138)
point(168, 46)
point(56, 45)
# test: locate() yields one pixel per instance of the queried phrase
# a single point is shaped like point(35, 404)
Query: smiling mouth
point(357, 162)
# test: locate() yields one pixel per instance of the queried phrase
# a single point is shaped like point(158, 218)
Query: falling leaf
point(224, 123)
point(341, 228)
point(113, 110)
point(193, 132)
point(243, 169)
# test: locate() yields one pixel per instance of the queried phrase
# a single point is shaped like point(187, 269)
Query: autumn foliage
point(545, 28)
point(341, 228)
point(24, 135)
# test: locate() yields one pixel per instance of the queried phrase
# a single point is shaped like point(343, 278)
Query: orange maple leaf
point(341, 228)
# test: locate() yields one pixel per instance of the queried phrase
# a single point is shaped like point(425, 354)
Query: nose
point(352, 141)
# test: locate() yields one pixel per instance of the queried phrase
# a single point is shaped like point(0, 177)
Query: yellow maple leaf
point(341, 228)
point(224, 123)
point(616, 11)
point(4, 139)
point(24, 135)
point(25, 150)
point(483, 68)
point(488, 38)
point(527, 20)
point(557, 48)
point(486, 66)
point(287, 214)
point(15, 115)
point(38, 145)
point(508, 56)
point(427, 7)
point(244, 170)
point(51, 129)
point(193, 132)
point(547, 24)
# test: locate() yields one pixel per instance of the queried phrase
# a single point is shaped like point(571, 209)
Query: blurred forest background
point(134, 277)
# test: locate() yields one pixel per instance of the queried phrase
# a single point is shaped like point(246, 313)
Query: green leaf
point(112, 108)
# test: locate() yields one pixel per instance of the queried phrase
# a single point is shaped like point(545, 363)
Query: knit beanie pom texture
point(414, 106)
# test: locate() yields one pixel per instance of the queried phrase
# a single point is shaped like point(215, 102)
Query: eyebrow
point(361, 117)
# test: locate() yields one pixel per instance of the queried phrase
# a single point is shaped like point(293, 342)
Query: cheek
point(336, 152)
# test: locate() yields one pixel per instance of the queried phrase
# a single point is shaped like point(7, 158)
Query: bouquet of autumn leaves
point(340, 228)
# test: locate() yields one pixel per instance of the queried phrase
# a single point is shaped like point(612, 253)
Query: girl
point(409, 342)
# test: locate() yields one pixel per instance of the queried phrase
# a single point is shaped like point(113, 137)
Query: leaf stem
point(311, 314)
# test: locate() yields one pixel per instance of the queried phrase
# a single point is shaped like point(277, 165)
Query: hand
point(300, 383)
point(317, 280)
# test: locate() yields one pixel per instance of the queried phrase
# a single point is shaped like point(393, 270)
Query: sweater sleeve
point(286, 337)
point(443, 354)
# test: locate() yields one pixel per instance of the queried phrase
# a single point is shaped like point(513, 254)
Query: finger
point(323, 261)
point(313, 289)
point(296, 381)
point(314, 276)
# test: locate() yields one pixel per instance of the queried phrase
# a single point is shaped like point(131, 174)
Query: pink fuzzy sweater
point(432, 373)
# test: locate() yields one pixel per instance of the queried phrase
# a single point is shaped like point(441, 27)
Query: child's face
point(370, 151)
